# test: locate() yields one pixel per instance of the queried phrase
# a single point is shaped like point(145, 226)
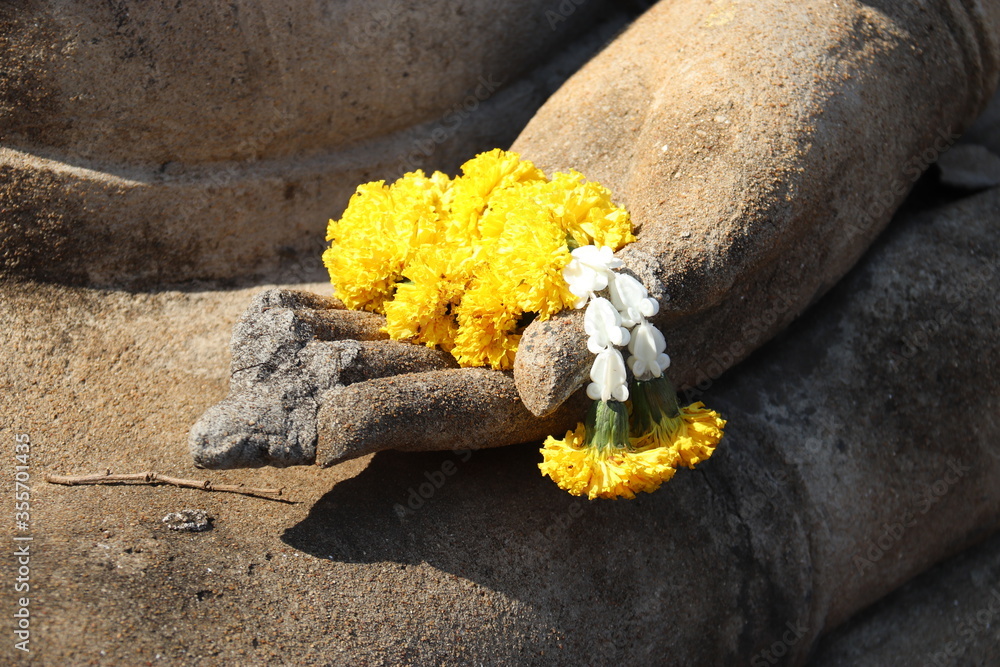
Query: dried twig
point(156, 478)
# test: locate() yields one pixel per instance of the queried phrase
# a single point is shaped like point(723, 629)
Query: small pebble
point(192, 521)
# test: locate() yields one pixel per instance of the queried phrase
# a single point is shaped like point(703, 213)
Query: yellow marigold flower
point(657, 422)
point(597, 459)
point(585, 211)
point(525, 262)
point(464, 264)
point(423, 308)
point(487, 328)
point(700, 431)
point(380, 229)
point(601, 460)
point(482, 177)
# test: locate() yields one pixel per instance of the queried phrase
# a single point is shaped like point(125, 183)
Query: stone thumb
point(552, 361)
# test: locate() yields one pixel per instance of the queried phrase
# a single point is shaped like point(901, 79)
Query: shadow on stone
point(489, 517)
point(861, 451)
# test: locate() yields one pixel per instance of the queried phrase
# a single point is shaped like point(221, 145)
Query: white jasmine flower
point(603, 324)
point(589, 271)
point(631, 299)
point(608, 375)
point(647, 346)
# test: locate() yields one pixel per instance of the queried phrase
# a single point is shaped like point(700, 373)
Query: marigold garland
point(597, 460)
point(463, 263)
point(588, 462)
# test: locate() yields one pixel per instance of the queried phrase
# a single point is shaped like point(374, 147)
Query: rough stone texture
point(759, 147)
point(884, 407)
point(290, 350)
point(461, 409)
point(311, 382)
point(727, 279)
point(151, 143)
point(947, 616)
point(837, 429)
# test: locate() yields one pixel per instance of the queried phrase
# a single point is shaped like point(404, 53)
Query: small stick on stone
point(156, 478)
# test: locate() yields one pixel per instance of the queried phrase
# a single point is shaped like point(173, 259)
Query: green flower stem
point(607, 425)
point(653, 402)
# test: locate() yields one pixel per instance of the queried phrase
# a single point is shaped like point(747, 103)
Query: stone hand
point(758, 164)
point(312, 382)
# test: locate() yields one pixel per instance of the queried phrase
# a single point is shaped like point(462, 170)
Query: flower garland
point(618, 452)
point(465, 264)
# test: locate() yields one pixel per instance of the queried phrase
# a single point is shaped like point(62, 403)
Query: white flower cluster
point(615, 323)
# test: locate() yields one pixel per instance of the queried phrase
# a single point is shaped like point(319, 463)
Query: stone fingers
point(273, 421)
point(552, 361)
point(468, 408)
point(279, 323)
point(343, 324)
point(297, 299)
point(286, 355)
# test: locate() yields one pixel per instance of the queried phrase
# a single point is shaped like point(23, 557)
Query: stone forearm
point(759, 149)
